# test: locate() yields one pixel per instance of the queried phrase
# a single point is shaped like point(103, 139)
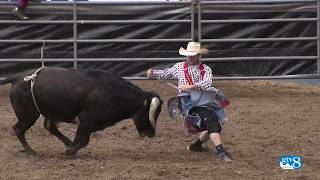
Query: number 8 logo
point(296, 162)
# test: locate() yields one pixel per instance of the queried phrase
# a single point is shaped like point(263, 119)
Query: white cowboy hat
point(193, 48)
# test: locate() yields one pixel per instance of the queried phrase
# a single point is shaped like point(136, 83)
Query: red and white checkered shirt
point(177, 72)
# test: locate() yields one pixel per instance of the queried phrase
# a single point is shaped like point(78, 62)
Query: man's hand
point(150, 74)
point(189, 87)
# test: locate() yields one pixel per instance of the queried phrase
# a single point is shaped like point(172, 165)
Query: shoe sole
point(20, 16)
point(200, 150)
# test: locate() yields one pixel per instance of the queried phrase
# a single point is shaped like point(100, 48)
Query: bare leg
point(215, 128)
point(215, 138)
point(222, 154)
point(204, 136)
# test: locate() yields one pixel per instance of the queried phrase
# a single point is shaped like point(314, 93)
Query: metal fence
point(196, 23)
point(248, 2)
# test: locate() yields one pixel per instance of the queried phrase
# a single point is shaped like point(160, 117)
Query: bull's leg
point(25, 120)
point(52, 128)
point(27, 116)
point(20, 129)
point(81, 140)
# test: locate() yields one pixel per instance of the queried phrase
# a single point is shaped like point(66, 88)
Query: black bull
point(93, 100)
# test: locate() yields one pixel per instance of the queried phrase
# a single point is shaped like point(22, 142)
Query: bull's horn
point(155, 102)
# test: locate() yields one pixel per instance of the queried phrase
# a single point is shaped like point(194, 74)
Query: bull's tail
point(15, 77)
point(10, 79)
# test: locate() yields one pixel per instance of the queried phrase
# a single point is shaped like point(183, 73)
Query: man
point(192, 75)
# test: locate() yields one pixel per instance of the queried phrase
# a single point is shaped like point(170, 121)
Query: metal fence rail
point(75, 22)
point(201, 22)
point(257, 1)
point(196, 7)
point(97, 22)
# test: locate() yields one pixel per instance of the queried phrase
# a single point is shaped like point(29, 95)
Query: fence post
point(199, 21)
point(75, 35)
point(318, 37)
point(192, 21)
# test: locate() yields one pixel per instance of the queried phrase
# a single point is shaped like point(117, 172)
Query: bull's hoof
point(31, 153)
point(70, 152)
point(68, 144)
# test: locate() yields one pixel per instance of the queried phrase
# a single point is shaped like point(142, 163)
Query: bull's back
point(60, 93)
point(115, 97)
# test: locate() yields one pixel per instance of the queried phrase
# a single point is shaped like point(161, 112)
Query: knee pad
point(214, 127)
point(209, 119)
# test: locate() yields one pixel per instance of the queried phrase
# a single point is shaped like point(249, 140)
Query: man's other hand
point(150, 74)
point(189, 87)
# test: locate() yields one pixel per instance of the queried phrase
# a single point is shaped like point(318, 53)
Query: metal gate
point(203, 4)
point(196, 23)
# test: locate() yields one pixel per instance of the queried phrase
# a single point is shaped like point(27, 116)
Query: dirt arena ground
point(267, 119)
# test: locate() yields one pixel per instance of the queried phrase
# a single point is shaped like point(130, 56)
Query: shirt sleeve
point(169, 73)
point(207, 79)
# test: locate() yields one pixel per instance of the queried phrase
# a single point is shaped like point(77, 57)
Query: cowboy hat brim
point(184, 52)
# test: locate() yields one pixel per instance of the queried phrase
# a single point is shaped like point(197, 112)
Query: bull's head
point(146, 118)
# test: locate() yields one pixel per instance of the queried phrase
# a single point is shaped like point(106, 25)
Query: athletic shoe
point(195, 146)
point(20, 14)
point(225, 156)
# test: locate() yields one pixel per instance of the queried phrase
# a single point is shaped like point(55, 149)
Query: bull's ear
point(145, 102)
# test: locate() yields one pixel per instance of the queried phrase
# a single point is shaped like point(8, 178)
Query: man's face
point(193, 60)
